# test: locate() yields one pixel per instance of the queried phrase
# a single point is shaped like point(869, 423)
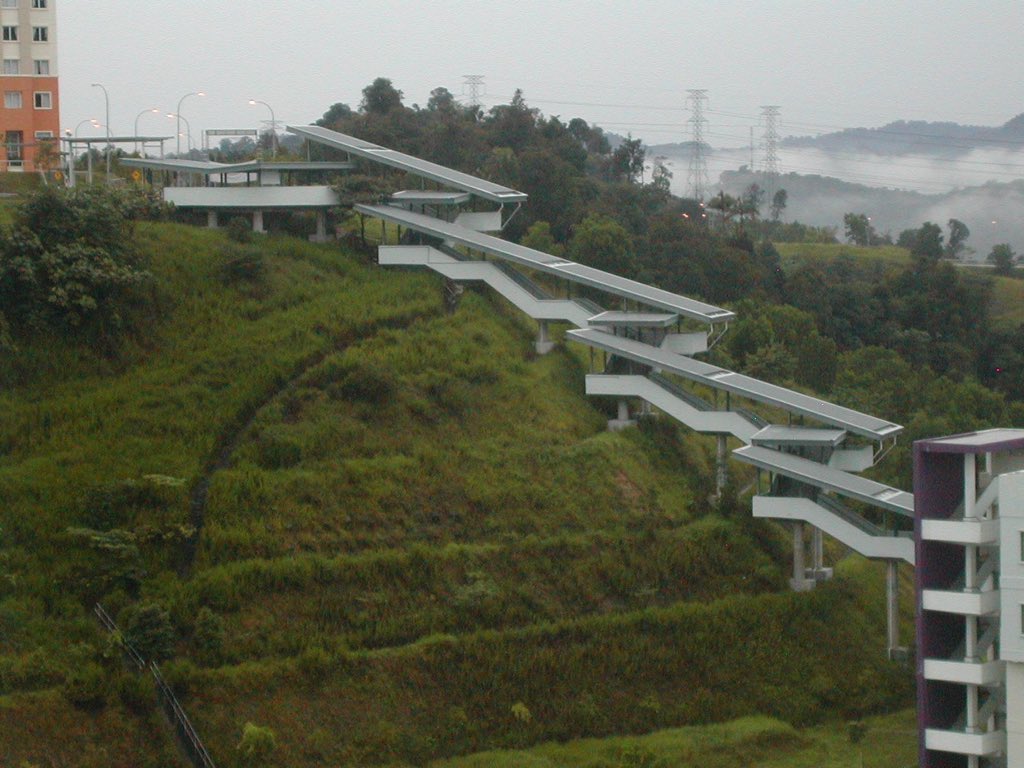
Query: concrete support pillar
point(622, 420)
point(721, 468)
point(817, 550)
point(543, 345)
point(892, 608)
point(321, 228)
point(257, 222)
point(799, 582)
point(211, 219)
point(623, 410)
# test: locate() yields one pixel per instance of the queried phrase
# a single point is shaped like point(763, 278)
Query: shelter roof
point(414, 165)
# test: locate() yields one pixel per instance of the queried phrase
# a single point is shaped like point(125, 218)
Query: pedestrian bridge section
point(552, 265)
point(738, 384)
point(415, 166)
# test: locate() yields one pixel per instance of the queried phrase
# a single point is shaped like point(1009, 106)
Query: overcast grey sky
point(624, 65)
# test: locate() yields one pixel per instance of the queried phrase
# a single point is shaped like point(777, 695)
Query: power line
point(473, 88)
point(698, 172)
point(771, 147)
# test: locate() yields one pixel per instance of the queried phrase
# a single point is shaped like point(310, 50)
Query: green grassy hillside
point(389, 533)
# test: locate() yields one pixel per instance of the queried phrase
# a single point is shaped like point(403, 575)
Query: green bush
point(239, 230)
point(278, 450)
point(256, 745)
point(86, 686)
point(136, 692)
point(370, 382)
point(70, 264)
point(208, 638)
point(147, 627)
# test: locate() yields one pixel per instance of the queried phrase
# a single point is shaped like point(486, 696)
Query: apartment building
point(30, 110)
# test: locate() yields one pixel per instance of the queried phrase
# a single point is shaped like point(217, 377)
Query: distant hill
point(918, 137)
point(991, 211)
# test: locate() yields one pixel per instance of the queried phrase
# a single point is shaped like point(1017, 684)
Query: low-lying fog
point(984, 188)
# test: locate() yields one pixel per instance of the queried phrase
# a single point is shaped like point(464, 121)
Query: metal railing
point(522, 281)
point(172, 707)
point(186, 732)
point(683, 394)
point(108, 624)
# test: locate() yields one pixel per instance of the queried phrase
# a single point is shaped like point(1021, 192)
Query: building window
point(40, 34)
point(10, 34)
point(44, 135)
point(42, 66)
point(9, 4)
point(12, 99)
point(43, 100)
point(14, 147)
point(12, 67)
point(38, 3)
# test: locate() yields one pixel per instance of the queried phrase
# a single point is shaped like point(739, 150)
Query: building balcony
point(964, 672)
point(962, 743)
point(963, 603)
point(975, 531)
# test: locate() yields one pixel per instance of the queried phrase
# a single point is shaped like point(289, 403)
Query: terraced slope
point(388, 533)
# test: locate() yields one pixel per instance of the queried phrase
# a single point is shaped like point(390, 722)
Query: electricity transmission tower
point(473, 88)
point(698, 173)
point(771, 148)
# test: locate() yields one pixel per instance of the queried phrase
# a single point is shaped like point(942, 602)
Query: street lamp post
point(178, 114)
point(188, 130)
point(106, 100)
point(155, 111)
point(93, 120)
point(273, 125)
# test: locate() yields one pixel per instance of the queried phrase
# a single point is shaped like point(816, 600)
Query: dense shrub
point(256, 745)
point(147, 627)
point(86, 686)
point(69, 264)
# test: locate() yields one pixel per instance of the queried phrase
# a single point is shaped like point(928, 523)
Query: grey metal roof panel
point(983, 441)
point(635, 319)
point(304, 165)
point(545, 262)
point(206, 167)
point(780, 435)
point(417, 166)
point(432, 196)
point(737, 383)
point(597, 278)
point(827, 478)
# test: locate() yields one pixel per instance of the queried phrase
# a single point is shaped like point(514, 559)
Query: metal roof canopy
point(984, 441)
point(210, 168)
point(797, 436)
point(829, 479)
point(545, 262)
point(634, 319)
point(414, 165)
point(431, 197)
point(113, 139)
point(737, 383)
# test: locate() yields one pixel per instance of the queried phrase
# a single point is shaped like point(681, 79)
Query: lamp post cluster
point(176, 115)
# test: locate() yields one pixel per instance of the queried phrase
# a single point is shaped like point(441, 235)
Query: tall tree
point(380, 97)
point(779, 200)
point(927, 247)
point(1003, 257)
point(628, 159)
point(956, 247)
point(858, 228)
point(441, 99)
